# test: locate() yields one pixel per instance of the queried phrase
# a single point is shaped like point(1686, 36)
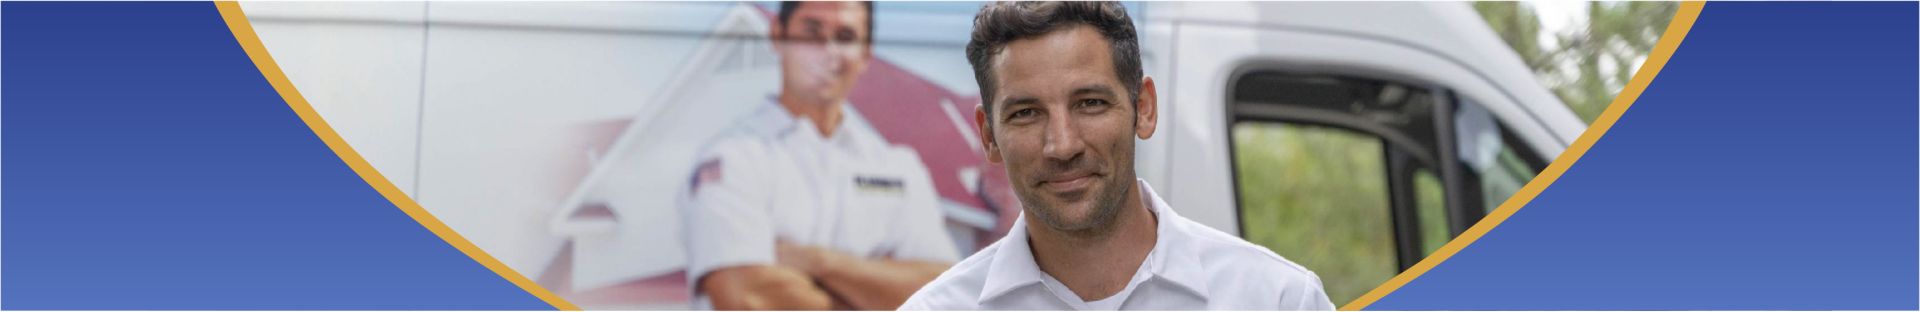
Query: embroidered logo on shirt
point(878, 184)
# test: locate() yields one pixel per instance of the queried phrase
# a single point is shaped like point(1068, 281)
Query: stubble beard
point(1107, 205)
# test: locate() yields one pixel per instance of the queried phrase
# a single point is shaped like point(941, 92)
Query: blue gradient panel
point(1771, 165)
point(150, 166)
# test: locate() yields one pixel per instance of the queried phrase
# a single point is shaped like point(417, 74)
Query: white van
point(1351, 137)
point(1419, 120)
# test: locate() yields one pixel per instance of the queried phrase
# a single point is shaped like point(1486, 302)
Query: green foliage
point(1585, 67)
point(1430, 198)
point(1318, 196)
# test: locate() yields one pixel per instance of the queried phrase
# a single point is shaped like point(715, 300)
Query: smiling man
point(1063, 100)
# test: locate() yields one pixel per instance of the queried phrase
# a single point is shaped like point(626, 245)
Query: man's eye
point(805, 37)
point(1022, 113)
point(1093, 103)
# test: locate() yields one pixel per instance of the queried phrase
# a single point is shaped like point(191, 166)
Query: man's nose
point(839, 53)
point(1063, 138)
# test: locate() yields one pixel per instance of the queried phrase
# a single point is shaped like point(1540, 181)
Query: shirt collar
point(1176, 257)
point(1172, 258)
point(773, 118)
point(1012, 266)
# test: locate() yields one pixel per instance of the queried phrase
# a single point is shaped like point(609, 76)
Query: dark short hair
point(999, 23)
point(787, 8)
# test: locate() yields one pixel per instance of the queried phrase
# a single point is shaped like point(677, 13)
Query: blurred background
point(1326, 190)
point(1352, 138)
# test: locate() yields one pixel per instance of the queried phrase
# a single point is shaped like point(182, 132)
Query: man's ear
point(774, 31)
point(1147, 114)
point(981, 123)
point(868, 56)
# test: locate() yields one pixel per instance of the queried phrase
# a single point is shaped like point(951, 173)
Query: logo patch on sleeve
point(707, 172)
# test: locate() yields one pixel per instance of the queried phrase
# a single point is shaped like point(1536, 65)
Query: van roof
point(1452, 30)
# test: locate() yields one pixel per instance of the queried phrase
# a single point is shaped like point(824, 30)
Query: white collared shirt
point(773, 178)
point(1191, 267)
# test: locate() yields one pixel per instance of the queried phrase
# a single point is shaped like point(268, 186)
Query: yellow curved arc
point(243, 32)
point(1683, 19)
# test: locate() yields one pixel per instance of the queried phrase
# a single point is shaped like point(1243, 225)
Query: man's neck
point(825, 116)
point(1095, 267)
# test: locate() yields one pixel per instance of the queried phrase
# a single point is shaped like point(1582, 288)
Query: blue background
point(1772, 165)
point(149, 165)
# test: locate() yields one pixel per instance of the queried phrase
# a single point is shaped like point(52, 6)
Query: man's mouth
point(1069, 183)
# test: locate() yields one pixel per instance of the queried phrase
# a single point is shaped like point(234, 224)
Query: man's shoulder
point(959, 287)
point(874, 147)
point(1226, 254)
point(743, 140)
point(1254, 275)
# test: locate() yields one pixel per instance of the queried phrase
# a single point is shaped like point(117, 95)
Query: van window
point(1496, 161)
point(1359, 178)
point(1326, 173)
point(1317, 195)
point(1505, 177)
point(1432, 205)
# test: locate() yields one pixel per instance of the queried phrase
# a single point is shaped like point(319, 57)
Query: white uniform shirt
point(773, 178)
point(1191, 267)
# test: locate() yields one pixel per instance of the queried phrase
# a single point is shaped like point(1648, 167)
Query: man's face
point(823, 50)
point(1064, 127)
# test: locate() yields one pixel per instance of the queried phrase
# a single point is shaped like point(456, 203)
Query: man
point(795, 209)
point(1063, 99)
